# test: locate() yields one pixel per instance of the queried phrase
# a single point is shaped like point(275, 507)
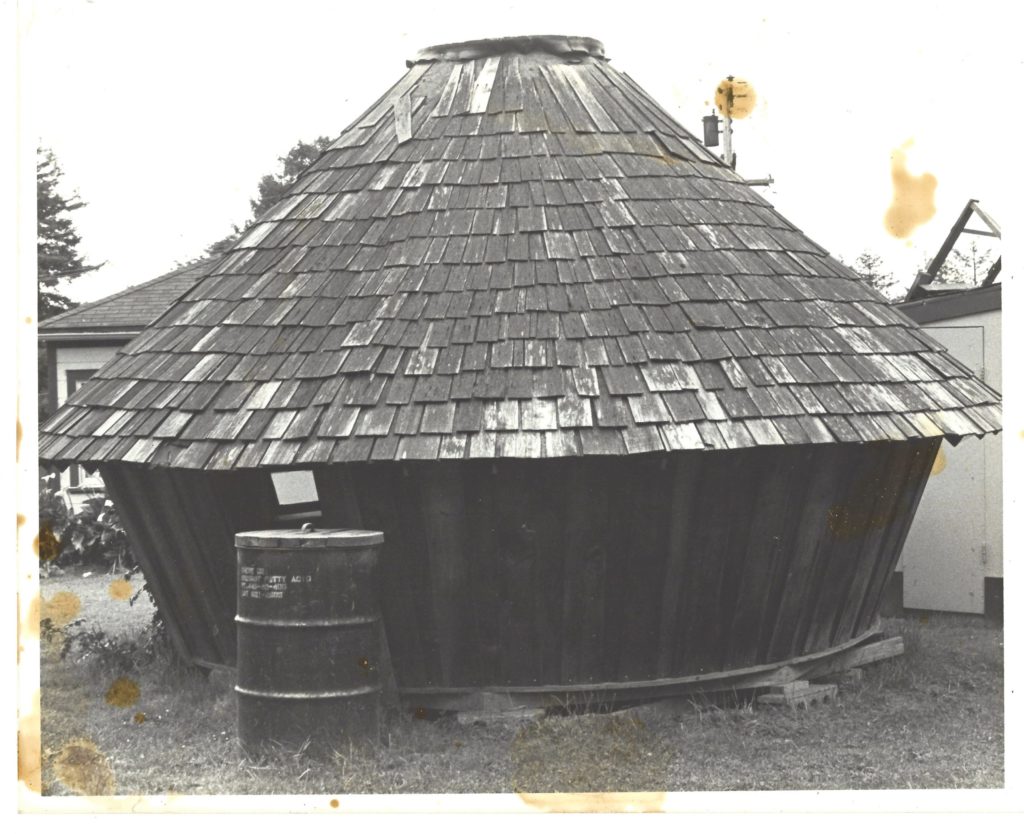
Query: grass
point(932, 718)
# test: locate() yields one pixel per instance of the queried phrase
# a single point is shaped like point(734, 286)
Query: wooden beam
point(779, 672)
point(926, 277)
point(857, 656)
point(993, 271)
point(512, 699)
point(986, 219)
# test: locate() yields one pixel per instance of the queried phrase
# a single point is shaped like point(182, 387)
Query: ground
point(120, 716)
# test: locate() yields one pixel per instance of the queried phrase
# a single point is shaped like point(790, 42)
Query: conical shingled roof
point(516, 252)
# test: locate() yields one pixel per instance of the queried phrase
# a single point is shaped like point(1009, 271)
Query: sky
point(164, 116)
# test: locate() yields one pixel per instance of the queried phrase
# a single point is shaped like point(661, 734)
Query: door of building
point(944, 560)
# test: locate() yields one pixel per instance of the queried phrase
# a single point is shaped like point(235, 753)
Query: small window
point(298, 487)
point(297, 498)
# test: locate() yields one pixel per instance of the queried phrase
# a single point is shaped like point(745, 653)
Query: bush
point(93, 536)
point(111, 653)
point(53, 519)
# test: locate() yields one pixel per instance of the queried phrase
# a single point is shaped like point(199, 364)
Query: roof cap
point(467, 50)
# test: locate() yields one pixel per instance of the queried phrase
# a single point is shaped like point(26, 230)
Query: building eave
point(954, 305)
point(88, 336)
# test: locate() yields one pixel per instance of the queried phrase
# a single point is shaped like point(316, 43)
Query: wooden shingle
point(516, 254)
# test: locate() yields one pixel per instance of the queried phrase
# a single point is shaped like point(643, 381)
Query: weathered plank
point(483, 495)
point(809, 536)
point(518, 554)
point(838, 562)
point(412, 653)
point(583, 621)
point(910, 489)
point(338, 497)
point(644, 562)
point(146, 548)
point(701, 621)
point(547, 518)
point(770, 471)
point(686, 469)
point(210, 558)
point(871, 509)
point(442, 507)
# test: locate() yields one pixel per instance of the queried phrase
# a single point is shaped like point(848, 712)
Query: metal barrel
point(308, 638)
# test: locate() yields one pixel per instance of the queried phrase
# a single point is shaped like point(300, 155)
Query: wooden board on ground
point(869, 648)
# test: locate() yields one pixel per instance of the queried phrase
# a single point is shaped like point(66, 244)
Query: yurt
point(620, 423)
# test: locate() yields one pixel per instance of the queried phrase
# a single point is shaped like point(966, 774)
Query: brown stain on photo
point(29, 749)
point(913, 196)
point(29, 624)
point(873, 504)
point(735, 97)
point(46, 544)
point(334, 803)
point(139, 718)
point(120, 589)
point(940, 462)
point(21, 520)
point(17, 445)
point(84, 769)
point(61, 608)
point(850, 521)
point(598, 803)
point(573, 785)
point(123, 692)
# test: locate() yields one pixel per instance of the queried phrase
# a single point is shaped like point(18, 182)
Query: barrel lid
point(320, 537)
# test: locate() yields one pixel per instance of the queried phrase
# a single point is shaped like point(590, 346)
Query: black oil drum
point(308, 638)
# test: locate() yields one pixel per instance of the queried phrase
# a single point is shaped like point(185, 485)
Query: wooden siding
point(568, 572)
point(181, 526)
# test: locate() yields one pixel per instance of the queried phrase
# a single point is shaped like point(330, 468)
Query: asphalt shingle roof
point(517, 252)
point(132, 308)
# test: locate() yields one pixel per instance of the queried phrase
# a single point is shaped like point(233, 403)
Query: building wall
point(76, 358)
point(956, 541)
point(568, 571)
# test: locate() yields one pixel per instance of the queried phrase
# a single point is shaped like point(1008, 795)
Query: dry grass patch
point(930, 719)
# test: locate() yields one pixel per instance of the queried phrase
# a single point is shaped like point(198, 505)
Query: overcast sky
point(165, 115)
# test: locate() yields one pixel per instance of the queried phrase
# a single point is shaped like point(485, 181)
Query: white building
point(953, 557)
point(79, 342)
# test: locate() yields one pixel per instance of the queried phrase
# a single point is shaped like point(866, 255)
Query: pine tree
point(869, 266)
point(57, 239)
point(966, 265)
point(272, 187)
point(58, 260)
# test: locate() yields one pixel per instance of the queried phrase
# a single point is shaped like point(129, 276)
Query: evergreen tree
point(272, 187)
point(57, 239)
point(869, 266)
point(58, 260)
point(966, 265)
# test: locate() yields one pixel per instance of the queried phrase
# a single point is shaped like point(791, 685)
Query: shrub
point(111, 653)
point(93, 536)
point(53, 519)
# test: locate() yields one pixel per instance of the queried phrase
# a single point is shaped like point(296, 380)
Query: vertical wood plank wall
point(181, 525)
point(567, 571)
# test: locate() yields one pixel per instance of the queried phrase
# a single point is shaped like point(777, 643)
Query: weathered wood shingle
point(516, 252)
